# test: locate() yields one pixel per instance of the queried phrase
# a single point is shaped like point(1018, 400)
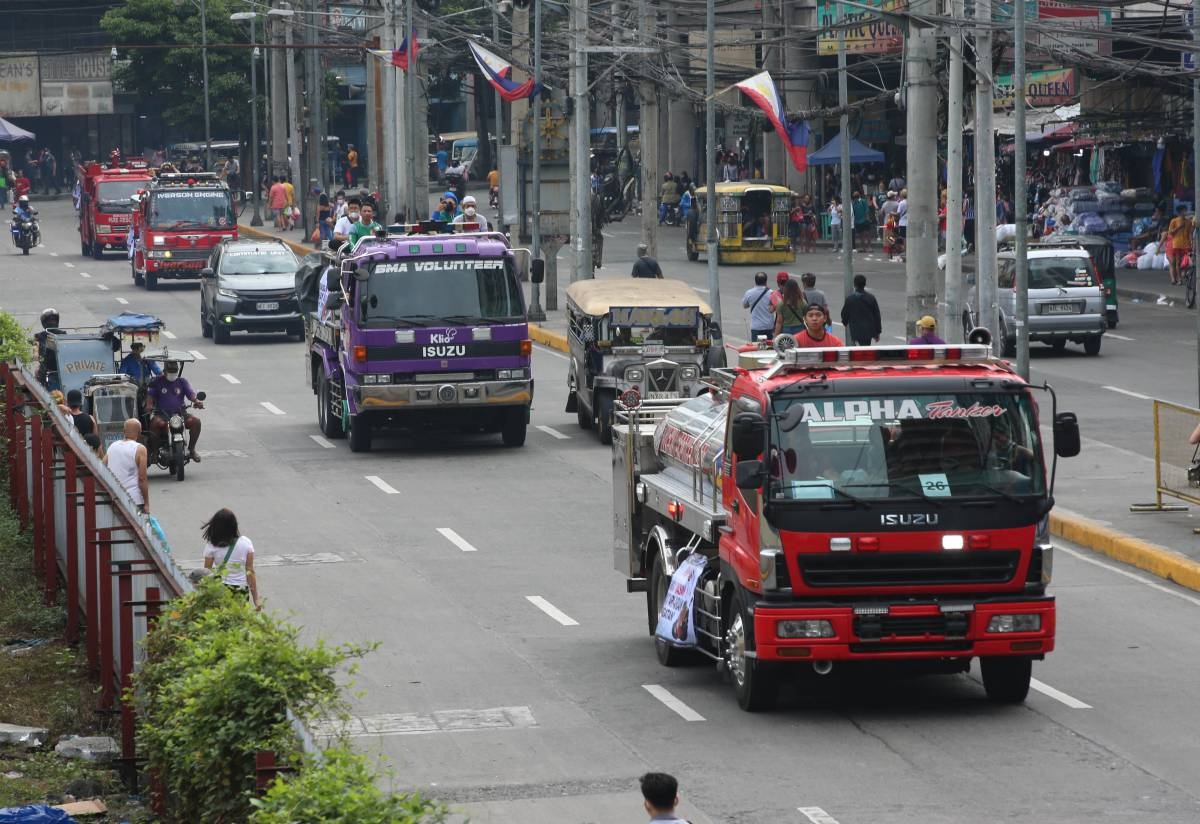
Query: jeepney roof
point(740, 187)
point(597, 297)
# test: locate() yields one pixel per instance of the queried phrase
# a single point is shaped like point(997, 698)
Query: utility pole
point(847, 211)
point(1020, 193)
point(279, 99)
point(921, 99)
point(208, 164)
point(255, 183)
point(619, 87)
point(648, 136)
point(710, 175)
point(316, 100)
point(535, 224)
point(293, 108)
point(414, 206)
point(1195, 155)
point(581, 143)
point(951, 326)
point(985, 177)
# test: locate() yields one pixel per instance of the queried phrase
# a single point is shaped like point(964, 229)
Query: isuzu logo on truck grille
point(909, 519)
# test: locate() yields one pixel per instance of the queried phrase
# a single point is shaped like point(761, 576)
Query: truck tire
point(755, 683)
point(513, 432)
point(151, 281)
point(1006, 678)
point(328, 419)
point(97, 250)
point(584, 416)
point(359, 432)
point(85, 248)
point(138, 280)
point(656, 594)
point(604, 414)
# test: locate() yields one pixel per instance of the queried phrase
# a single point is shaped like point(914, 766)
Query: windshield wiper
point(914, 491)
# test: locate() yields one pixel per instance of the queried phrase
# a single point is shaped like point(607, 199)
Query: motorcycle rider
point(22, 210)
point(165, 397)
point(456, 178)
point(47, 359)
point(668, 196)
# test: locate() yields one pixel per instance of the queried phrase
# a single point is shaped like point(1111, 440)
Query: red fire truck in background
point(179, 219)
point(106, 204)
point(843, 506)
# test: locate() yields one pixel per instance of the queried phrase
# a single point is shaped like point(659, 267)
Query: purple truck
point(421, 331)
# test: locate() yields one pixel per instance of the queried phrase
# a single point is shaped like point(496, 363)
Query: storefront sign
point(870, 34)
point(1053, 87)
point(20, 91)
point(1063, 15)
point(347, 16)
point(76, 83)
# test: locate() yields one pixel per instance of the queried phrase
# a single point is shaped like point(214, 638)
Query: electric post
point(710, 174)
point(581, 143)
point(279, 106)
point(844, 126)
point(921, 99)
point(952, 296)
point(1020, 192)
point(648, 134)
point(1196, 158)
point(985, 178)
point(535, 225)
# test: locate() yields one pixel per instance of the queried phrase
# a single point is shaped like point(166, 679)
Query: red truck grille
point(889, 569)
point(883, 627)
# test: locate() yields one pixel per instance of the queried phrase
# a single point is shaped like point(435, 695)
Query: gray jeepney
point(653, 336)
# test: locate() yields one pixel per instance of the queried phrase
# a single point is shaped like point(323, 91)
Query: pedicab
point(112, 396)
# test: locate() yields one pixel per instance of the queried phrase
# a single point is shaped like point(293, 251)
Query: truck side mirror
point(207, 272)
point(750, 475)
point(1066, 435)
point(749, 431)
point(537, 271)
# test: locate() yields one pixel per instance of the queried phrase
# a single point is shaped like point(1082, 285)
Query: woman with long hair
point(222, 538)
point(789, 312)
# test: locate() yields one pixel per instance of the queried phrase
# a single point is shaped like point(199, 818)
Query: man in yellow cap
point(927, 333)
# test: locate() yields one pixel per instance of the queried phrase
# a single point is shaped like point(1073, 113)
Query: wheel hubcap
point(735, 650)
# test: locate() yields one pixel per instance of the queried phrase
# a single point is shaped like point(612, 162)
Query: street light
point(203, 6)
point(256, 219)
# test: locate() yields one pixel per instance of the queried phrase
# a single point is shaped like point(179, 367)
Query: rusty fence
point(1174, 458)
point(90, 541)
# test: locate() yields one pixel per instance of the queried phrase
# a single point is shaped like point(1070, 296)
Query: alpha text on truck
point(178, 220)
point(829, 506)
point(107, 193)
point(426, 330)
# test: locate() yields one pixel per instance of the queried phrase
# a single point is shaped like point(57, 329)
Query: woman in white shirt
point(235, 553)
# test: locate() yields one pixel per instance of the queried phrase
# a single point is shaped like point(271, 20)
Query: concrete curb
point(1152, 558)
point(545, 337)
point(1149, 297)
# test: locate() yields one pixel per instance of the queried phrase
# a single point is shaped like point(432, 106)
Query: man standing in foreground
point(127, 460)
point(661, 796)
point(860, 315)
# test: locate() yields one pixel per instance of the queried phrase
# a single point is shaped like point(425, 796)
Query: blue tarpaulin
point(34, 814)
point(831, 153)
point(133, 320)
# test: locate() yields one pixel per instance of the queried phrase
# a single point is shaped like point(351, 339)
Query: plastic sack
point(1144, 207)
point(1081, 193)
point(1091, 223)
point(1118, 222)
point(34, 814)
point(1108, 202)
point(1145, 262)
point(1082, 207)
point(1109, 186)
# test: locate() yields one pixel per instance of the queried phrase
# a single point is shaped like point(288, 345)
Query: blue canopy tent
point(11, 133)
point(831, 153)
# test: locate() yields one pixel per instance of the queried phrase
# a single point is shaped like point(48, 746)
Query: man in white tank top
point(127, 460)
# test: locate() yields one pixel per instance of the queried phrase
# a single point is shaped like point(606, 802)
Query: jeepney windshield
point(932, 446)
point(443, 291)
point(115, 196)
point(634, 326)
point(191, 208)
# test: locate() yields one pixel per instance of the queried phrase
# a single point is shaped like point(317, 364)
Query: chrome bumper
point(450, 395)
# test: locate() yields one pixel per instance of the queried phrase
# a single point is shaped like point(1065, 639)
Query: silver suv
point(1066, 301)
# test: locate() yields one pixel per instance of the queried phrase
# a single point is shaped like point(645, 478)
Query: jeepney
point(739, 205)
point(651, 337)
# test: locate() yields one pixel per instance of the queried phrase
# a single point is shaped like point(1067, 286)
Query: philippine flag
point(499, 74)
point(794, 133)
point(397, 57)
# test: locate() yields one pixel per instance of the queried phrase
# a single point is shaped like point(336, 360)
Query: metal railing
point(1173, 457)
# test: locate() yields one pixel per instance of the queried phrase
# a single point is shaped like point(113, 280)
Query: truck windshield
point(113, 196)
point(450, 291)
point(191, 209)
point(931, 446)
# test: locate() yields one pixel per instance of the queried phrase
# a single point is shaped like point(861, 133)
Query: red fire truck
point(843, 506)
point(106, 198)
point(178, 220)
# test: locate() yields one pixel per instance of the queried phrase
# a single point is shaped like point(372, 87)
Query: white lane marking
point(1058, 695)
point(122, 301)
point(322, 442)
point(1118, 337)
point(230, 378)
point(1133, 576)
point(553, 433)
point(551, 610)
point(168, 335)
point(382, 484)
point(196, 355)
point(101, 287)
point(683, 710)
point(272, 408)
point(1121, 391)
point(84, 275)
point(53, 254)
point(68, 265)
point(454, 538)
point(548, 351)
point(816, 815)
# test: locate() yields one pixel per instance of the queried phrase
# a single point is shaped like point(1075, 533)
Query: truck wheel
point(220, 332)
point(328, 418)
point(1091, 346)
point(138, 280)
point(755, 683)
point(513, 432)
point(84, 248)
point(656, 594)
point(360, 433)
point(604, 411)
point(1006, 678)
point(583, 416)
point(97, 250)
point(151, 281)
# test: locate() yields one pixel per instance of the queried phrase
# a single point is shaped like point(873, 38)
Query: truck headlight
point(1015, 623)
point(804, 629)
point(634, 374)
point(689, 373)
point(373, 380)
point(227, 293)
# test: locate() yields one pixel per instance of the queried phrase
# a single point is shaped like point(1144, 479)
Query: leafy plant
point(14, 339)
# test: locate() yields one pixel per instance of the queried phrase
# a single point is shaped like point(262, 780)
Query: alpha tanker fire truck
point(830, 506)
point(106, 201)
point(178, 220)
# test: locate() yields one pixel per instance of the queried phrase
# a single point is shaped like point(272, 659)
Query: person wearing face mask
point(341, 229)
point(471, 215)
point(165, 397)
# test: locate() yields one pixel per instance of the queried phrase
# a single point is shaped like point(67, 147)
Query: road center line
point(68, 265)
point(816, 815)
point(454, 538)
point(382, 484)
point(547, 351)
point(230, 378)
point(123, 301)
point(1130, 575)
point(1118, 337)
point(551, 610)
point(674, 704)
point(272, 408)
point(168, 335)
point(196, 355)
point(101, 287)
point(1058, 695)
point(84, 275)
point(1121, 391)
point(321, 442)
point(54, 254)
point(553, 433)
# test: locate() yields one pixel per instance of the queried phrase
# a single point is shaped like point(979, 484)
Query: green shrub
point(14, 340)
point(214, 690)
point(340, 789)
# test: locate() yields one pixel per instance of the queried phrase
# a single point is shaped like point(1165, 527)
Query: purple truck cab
point(422, 331)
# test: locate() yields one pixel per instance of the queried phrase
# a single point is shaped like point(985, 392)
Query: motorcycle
point(171, 453)
point(672, 216)
point(25, 232)
point(457, 182)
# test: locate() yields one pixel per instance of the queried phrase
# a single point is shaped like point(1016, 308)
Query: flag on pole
point(794, 133)
point(397, 57)
point(499, 74)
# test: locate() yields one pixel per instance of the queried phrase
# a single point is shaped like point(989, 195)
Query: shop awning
point(1078, 143)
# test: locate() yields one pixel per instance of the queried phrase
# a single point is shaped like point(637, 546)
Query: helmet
point(667, 176)
point(49, 319)
point(23, 199)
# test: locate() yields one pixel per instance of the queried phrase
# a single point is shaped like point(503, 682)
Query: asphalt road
point(515, 675)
